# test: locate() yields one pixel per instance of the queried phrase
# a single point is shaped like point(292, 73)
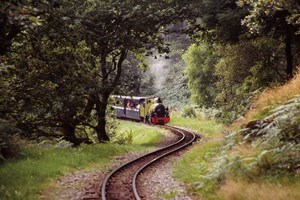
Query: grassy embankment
point(236, 169)
point(26, 177)
point(188, 169)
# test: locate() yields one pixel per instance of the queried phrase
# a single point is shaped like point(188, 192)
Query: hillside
point(259, 158)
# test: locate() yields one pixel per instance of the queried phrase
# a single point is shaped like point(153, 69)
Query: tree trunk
point(69, 132)
point(101, 114)
point(288, 53)
point(108, 87)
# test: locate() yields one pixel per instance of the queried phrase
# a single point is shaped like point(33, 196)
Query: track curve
point(121, 182)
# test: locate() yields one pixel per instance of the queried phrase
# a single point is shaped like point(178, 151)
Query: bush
point(125, 137)
point(210, 113)
point(189, 111)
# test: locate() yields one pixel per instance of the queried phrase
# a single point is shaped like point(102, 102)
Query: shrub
point(189, 111)
point(125, 137)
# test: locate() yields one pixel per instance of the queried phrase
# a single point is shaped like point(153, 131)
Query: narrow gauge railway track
point(121, 182)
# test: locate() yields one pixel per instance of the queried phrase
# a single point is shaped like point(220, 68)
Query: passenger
point(130, 104)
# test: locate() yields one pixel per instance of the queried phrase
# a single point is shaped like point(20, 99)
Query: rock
point(256, 129)
point(257, 123)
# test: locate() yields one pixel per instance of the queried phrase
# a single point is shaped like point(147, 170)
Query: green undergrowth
point(196, 163)
point(260, 161)
point(27, 177)
point(143, 134)
point(209, 128)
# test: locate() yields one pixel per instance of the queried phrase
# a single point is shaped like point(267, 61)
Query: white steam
point(158, 69)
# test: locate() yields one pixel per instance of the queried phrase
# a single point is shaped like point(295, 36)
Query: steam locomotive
point(145, 109)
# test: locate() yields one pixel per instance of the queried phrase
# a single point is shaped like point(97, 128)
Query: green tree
point(275, 17)
point(111, 29)
point(200, 60)
point(218, 21)
point(48, 90)
point(61, 74)
point(18, 16)
point(245, 68)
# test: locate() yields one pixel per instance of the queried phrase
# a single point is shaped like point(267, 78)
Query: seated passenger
point(130, 104)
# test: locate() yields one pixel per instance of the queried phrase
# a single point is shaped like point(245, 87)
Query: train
point(144, 109)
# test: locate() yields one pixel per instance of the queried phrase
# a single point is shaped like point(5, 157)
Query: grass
point(274, 96)
point(27, 177)
point(268, 100)
point(208, 128)
point(169, 195)
point(196, 162)
point(264, 190)
point(23, 179)
point(144, 135)
point(195, 167)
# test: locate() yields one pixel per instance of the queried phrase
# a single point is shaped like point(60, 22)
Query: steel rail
point(105, 182)
point(134, 185)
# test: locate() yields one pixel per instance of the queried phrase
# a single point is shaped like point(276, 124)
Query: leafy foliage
point(261, 10)
point(200, 60)
point(65, 91)
point(245, 69)
point(274, 149)
point(125, 137)
point(219, 21)
point(227, 78)
point(240, 49)
point(276, 18)
point(18, 16)
point(189, 111)
point(49, 90)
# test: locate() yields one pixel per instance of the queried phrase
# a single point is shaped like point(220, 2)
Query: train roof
point(121, 97)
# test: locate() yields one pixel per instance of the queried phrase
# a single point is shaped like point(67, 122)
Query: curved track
point(121, 182)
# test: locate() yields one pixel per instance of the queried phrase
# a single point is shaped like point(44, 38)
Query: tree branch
point(119, 66)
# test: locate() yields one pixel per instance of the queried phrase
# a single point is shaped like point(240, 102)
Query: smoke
point(158, 70)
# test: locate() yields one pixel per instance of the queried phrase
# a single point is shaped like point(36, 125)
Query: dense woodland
point(61, 60)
